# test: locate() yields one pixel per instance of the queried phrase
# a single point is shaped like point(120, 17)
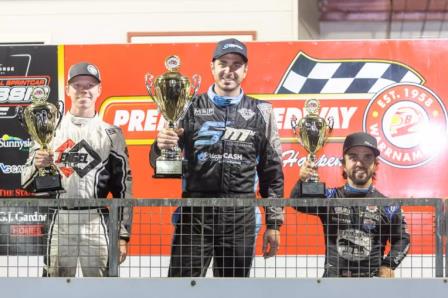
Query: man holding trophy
point(93, 160)
point(356, 237)
point(230, 143)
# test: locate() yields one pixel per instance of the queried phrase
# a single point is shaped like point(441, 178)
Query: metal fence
point(25, 226)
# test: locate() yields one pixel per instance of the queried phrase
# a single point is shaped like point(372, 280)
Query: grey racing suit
point(92, 158)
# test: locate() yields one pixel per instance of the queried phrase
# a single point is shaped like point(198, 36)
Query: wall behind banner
point(392, 89)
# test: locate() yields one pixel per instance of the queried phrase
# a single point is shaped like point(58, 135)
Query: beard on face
point(360, 175)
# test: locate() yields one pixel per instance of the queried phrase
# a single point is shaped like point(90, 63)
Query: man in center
point(230, 143)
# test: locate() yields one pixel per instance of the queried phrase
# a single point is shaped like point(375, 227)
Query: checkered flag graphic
point(311, 76)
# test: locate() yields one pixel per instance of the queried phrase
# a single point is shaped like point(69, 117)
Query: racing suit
point(93, 160)
point(356, 237)
point(227, 150)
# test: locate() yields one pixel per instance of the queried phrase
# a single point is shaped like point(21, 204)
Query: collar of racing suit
point(223, 101)
point(357, 191)
point(81, 121)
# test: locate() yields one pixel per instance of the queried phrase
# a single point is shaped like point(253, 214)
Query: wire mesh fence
point(221, 237)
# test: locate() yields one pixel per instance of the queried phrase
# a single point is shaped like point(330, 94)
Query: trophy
point(172, 91)
point(312, 132)
point(41, 119)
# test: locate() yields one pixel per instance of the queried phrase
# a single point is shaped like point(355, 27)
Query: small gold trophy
point(41, 119)
point(312, 132)
point(172, 91)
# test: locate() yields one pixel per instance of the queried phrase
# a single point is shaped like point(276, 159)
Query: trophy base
point(168, 169)
point(310, 189)
point(47, 183)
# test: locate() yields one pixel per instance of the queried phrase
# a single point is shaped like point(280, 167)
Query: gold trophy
point(41, 119)
point(172, 91)
point(312, 132)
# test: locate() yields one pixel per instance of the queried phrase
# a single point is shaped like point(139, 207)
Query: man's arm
point(271, 180)
point(120, 185)
point(399, 239)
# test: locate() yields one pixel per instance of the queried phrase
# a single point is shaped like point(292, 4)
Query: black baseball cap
point(361, 139)
point(83, 69)
point(230, 45)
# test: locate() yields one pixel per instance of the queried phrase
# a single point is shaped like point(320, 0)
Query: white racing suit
point(92, 158)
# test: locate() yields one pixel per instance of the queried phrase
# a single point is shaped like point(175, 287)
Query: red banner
point(394, 90)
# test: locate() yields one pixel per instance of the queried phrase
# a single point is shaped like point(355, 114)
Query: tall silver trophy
point(41, 119)
point(312, 132)
point(171, 92)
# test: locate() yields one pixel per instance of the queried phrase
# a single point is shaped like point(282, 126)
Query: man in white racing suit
point(92, 158)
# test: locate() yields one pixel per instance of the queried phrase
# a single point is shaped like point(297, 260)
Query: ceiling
point(383, 10)
point(395, 18)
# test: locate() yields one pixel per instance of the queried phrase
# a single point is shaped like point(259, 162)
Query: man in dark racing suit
point(356, 236)
point(230, 143)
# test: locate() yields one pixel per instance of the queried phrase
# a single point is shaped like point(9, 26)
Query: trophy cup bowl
point(41, 119)
point(312, 132)
point(172, 93)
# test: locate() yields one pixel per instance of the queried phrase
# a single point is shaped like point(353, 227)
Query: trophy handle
point(61, 107)
point(330, 125)
point(19, 112)
point(149, 82)
point(196, 80)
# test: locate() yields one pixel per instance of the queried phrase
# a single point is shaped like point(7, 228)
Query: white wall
point(375, 30)
point(101, 21)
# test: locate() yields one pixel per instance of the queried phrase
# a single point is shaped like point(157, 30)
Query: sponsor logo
point(409, 122)
point(20, 217)
point(11, 169)
point(232, 45)
point(8, 141)
point(292, 158)
point(204, 112)
point(80, 158)
point(26, 230)
point(226, 157)
point(246, 113)
point(353, 245)
point(18, 192)
point(237, 134)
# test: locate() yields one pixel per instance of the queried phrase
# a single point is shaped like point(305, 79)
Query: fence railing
point(25, 226)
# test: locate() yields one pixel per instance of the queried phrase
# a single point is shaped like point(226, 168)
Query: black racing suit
point(227, 150)
point(356, 236)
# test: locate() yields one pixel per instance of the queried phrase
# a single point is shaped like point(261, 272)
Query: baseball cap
point(360, 139)
point(230, 45)
point(83, 69)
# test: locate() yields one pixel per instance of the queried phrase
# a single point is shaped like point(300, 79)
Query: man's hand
point(123, 246)
point(168, 137)
point(42, 159)
point(386, 272)
point(271, 242)
point(307, 170)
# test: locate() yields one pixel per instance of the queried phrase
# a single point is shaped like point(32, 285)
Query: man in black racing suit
point(355, 236)
point(230, 144)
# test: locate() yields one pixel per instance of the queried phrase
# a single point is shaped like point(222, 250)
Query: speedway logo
point(16, 91)
point(409, 122)
point(140, 120)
